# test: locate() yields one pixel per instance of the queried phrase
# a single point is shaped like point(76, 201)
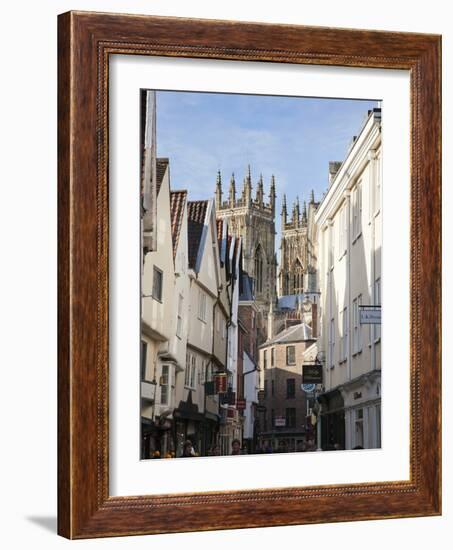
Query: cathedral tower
point(253, 219)
point(297, 271)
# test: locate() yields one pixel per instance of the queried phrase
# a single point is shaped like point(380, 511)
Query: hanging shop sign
point(312, 373)
point(220, 383)
point(228, 398)
point(241, 404)
point(370, 315)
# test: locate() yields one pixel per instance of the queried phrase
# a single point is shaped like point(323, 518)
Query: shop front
point(332, 420)
point(188, 425)
point(157, 437)
point(362, 398)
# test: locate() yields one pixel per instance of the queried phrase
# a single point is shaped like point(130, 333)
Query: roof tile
point(196, 214)
point(178, 201)
point(161, 167)
point(295, 333)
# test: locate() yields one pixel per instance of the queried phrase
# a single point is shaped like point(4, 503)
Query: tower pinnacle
point(284, 211)
point(294, 216)
point(272, 194)
point(247, 191)
point(304, 214)
point(232, 195)
point(218, 191)
point(260, 191)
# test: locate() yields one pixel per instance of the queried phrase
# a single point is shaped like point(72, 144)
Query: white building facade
point(349, 226)
point(157, 325)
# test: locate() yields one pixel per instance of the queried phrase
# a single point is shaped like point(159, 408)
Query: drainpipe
point(229, 323)
point(318, 431)
point(372, 159)
point(330, 297)
point(348, 299)
point(210, 362)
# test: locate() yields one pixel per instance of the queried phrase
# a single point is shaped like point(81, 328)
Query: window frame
point(291, 347)
point(298, 277)
point(190, 378)
point(377, 186)
point(179, 319)
point(165, 385)
point(202, 305)
point(143, 358)
point(357, 211)
point(290, 384)
point(357, 343)
point(157, 271)
point(359, 423)
point(193, 371)
point(343, 231)
point(332, 342)
point(187, 371)
point(377, 302)
point(259, 269)
point(344, 339)
point(290, 417)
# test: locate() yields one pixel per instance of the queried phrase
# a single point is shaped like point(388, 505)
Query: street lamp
point(321, 359)
point(310, 386)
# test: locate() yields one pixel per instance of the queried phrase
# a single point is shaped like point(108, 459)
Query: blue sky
point(292, 138)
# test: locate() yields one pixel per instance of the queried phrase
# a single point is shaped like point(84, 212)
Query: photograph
point(221, 250)
point(261, 290)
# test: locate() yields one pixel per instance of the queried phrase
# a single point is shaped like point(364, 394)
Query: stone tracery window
point(298, 278)
point(259, 269)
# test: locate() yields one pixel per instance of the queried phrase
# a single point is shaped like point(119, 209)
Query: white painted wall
point(159, 314)
point(181, 288)
point(233, 330)
point(206, 282)
point(349, 267)
point(251, 384)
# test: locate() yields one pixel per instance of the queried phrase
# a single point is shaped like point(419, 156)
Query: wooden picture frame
point(85, 41)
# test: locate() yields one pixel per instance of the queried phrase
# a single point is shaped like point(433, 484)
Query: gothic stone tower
point(297, 273)
point(253, 220)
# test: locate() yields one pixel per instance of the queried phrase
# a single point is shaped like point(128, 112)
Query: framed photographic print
point(249, 259)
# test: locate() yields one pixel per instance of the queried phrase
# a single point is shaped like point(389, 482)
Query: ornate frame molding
point(86, 40)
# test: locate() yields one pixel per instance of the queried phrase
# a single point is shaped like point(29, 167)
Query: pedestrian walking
point(216, 450)
point(188, 450)
point(236, 447)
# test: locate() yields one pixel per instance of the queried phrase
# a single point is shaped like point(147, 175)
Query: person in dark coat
point(187, 450)
point(236, 447)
